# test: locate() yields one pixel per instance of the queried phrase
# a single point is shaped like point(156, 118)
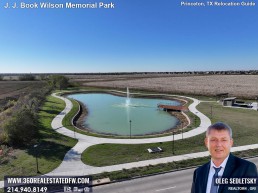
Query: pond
point(116, 115)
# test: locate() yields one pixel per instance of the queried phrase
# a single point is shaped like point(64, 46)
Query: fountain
point(127, 100)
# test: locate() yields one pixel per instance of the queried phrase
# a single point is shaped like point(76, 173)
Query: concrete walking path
point(73, 165)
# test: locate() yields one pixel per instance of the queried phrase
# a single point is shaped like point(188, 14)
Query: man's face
point(218, 144)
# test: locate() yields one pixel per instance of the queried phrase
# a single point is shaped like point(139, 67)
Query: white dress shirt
point(212, 172)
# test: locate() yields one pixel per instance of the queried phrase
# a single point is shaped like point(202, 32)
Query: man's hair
point(219, 126)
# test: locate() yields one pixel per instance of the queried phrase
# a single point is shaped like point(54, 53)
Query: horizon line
point(132, 72)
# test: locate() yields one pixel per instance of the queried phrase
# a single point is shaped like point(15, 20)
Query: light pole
point(182, 130)
point(74, 132)
point(256, 103)
point(130, 128)
point(211, 111)
point(37, 163)
point(195, 117)
point(173, 143)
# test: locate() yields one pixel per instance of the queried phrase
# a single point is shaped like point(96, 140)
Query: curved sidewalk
point(73, 165)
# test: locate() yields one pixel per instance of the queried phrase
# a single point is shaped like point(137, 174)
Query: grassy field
point(243, 122)
point(51, 150)
point(236, 85)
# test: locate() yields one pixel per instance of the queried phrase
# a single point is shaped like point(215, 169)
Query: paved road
point(173, 182)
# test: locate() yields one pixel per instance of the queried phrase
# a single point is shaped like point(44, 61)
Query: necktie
point(214, 187)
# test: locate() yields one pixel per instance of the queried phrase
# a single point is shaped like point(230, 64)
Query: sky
point(135, 36)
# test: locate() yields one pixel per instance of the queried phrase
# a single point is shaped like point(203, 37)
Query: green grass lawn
point(159, 168)
point(67, 120)
point(51, 150)
point(243, 122)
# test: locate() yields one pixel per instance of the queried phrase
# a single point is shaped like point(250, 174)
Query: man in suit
point(219, 141)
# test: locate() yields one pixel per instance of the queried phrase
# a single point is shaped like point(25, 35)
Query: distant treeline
point(228, 72)
point(27, 77)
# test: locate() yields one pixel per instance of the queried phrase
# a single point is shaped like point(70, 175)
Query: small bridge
point(166, 107)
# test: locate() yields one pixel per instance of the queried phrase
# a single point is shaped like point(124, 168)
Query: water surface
point(109, 114)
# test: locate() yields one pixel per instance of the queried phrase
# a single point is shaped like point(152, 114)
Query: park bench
point(154, 150)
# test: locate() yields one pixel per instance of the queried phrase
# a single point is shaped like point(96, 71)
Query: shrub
point(3, 137)
point(9, 104)
point(6, 154)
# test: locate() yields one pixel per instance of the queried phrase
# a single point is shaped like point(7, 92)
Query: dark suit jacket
point(235, 168)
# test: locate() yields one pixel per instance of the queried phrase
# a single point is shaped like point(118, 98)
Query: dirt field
point(243, 86)
point(108, 77)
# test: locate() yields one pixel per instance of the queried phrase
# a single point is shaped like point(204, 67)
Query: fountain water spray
point(127, 101)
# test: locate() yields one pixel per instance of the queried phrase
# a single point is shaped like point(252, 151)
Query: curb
point(76, 116)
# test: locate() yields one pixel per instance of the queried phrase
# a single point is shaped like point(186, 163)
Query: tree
point(58, 81)
point(22, 128)
point(63, 82)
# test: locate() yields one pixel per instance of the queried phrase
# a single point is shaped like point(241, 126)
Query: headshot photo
point(219, 141)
